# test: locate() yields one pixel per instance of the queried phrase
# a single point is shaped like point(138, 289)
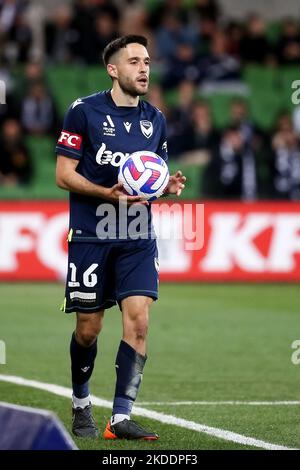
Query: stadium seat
point(43, 157)
point(220, 106)
point(155, 76)
point(258, 78)
point(43, 185)
point(66, 85)
point(171, 97)
point(265, 98)
point(274, 29)
point(265, 107)
point(193, 175)
point(96, 79)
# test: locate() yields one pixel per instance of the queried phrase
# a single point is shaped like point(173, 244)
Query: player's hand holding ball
point(117, 194)
point(146, 175)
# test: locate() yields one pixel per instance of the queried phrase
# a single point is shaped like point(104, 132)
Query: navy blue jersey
point(100, 135)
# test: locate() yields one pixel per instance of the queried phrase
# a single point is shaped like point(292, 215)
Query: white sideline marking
point(161, 417)
point(214, 403)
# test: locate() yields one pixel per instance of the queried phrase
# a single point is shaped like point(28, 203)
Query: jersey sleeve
point(71, 140)
point(162, 150)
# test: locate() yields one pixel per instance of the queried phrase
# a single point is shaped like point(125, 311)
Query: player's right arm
point(67, 178)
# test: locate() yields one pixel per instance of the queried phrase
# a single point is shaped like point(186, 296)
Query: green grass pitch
point(206, 343)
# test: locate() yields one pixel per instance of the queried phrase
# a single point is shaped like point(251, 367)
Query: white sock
point(117, 418)
point(81, 402)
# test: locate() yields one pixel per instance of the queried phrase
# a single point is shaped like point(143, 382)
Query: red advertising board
point(33, 240)
point(211, 241)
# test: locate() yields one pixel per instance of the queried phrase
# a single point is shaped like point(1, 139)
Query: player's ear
point(112, 70)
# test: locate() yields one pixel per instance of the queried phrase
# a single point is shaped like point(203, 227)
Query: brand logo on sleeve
point(77, 102)
point(73, 141)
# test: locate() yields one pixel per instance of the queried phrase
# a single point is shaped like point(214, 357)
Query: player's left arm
point(176, 182)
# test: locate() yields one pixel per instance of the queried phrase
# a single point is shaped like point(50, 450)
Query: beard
point(132, 89)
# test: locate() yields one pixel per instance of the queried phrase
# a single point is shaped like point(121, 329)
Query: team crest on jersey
point(146, 128)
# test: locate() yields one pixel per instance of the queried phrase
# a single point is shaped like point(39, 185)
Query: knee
point(141, 330)
point(87, 334)
point(140, 327)
point(138, 323)
point(86, 338)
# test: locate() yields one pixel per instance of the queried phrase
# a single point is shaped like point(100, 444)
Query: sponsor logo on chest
point(108, 127)
point(105, 156)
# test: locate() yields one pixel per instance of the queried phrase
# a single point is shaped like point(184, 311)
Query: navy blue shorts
point(102, 274)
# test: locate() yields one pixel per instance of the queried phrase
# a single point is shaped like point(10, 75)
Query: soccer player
point(99, 132)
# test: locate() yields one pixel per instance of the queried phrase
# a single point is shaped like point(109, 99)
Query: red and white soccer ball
point(144, 174)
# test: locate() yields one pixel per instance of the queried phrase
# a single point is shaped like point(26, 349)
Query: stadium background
point(224, 73)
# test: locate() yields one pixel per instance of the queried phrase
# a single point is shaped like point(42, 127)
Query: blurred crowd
point(241, 161)
point(193, 48)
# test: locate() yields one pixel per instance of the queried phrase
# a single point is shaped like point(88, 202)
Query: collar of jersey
point(113, 104)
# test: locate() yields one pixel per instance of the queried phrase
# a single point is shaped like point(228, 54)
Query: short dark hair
point(120, 43)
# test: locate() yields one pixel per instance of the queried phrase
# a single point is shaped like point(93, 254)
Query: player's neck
point(122, 99)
